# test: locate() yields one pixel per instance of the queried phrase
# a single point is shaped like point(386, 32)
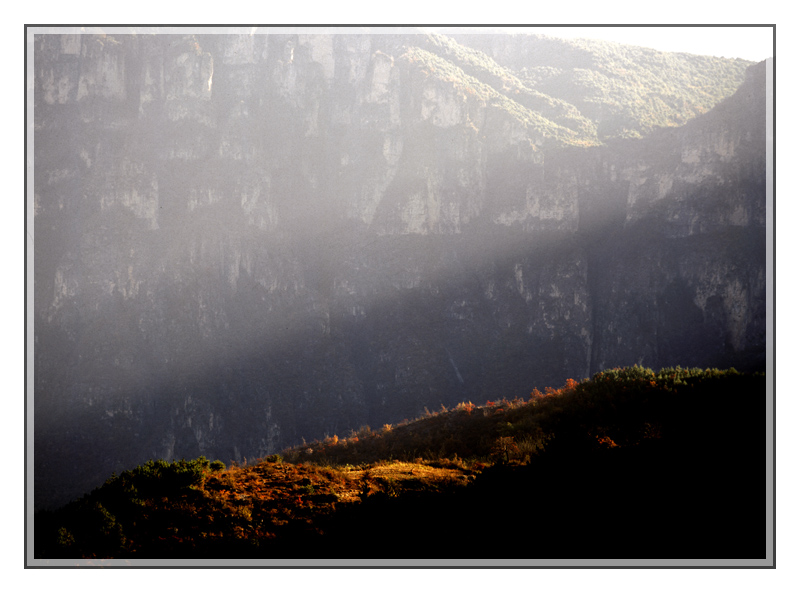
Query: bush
point(159, 477)
point(504, 449)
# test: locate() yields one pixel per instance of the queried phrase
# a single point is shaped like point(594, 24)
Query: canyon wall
point(243, 241)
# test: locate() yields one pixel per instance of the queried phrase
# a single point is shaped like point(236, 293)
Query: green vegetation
point(131, 496)
point(551, 132)
point(506, 84)
point(630, 91)
point(582, 92)
point(632, 440)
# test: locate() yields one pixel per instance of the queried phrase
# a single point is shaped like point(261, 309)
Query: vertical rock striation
point(246, 240)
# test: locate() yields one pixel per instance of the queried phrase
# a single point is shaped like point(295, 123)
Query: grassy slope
point(585, 92)
point(628, 464)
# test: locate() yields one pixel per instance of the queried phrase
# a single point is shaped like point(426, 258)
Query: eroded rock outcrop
point(246, 240)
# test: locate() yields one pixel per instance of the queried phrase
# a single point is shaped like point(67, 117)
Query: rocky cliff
point(242, 241)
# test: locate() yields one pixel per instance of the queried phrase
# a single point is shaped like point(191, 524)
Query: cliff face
point(245, 240)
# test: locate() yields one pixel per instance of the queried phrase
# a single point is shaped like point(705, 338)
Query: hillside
point(624, 90)
point(629, 464)
point(244, 241)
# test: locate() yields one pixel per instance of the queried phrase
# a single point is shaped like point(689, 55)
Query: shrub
point(159, 477)
point(504, 449)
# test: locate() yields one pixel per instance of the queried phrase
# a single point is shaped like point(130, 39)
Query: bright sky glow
point(746, 42)
point(749, 43)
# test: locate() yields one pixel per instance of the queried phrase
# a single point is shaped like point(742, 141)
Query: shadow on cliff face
point(190, 347)
point(283, 370)
point(466, 326)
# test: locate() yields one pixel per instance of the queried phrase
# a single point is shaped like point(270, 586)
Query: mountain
point(244, 241)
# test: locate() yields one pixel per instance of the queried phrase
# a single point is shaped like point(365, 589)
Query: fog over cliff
point(243, 241)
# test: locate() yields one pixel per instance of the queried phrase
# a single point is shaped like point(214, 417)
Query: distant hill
point(623, 90)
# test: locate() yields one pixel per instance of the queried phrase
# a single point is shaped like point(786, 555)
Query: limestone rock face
point(247, 240)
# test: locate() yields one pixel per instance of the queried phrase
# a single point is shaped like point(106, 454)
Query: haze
point(245, 241)
point(749, 43)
